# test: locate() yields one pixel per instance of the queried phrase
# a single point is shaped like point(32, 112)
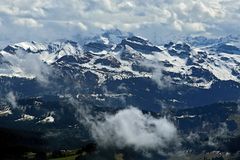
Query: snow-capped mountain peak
point(189, 65)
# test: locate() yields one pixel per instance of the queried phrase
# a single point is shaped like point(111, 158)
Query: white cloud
point(9, 10)
point(70, 24)
point(127, 6)
point(82, 26)
point(153, 17)
point(32, 8)
point(11, 98)
point(103, 25)
point(29, 65)
point(27, 22)
point(178, 25)
point(158, 77)
point(194, 27)
point(129, 128)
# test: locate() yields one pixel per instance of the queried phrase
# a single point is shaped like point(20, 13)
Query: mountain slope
point(125, 70)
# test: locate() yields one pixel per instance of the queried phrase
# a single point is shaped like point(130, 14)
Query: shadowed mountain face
point(63, 95)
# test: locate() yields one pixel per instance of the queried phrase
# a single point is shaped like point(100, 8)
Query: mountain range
point(117, 68)
point(105, 94)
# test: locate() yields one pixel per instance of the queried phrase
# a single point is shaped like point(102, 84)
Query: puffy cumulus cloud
point(152, 18)
point(29, 8)
point(130, 128)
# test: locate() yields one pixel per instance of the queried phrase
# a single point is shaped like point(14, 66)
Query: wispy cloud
point(11, 98)
point(162, 80)
point(29, 65)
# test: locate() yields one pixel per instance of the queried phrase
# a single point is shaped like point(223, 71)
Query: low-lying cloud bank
point(130, 128)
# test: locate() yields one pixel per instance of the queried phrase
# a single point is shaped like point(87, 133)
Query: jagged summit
point(100, 62)
point(220, 60)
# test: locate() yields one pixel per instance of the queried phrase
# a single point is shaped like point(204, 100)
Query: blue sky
point(41, 20)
